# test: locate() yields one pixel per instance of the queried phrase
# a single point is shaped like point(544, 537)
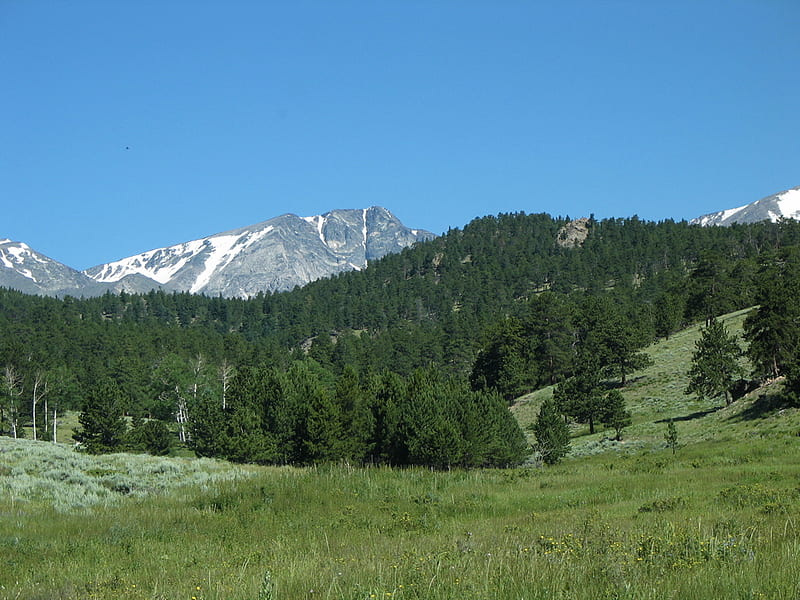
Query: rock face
point(24, 269)
point(573, 234)
point(783, 205)
point(275, 255)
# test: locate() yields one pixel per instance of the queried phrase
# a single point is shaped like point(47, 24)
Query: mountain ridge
point(274, 255)
point(785, 204)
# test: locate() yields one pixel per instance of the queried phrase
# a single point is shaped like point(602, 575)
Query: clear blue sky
point(134, 124)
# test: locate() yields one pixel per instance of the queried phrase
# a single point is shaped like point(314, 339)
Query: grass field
point(718, 519)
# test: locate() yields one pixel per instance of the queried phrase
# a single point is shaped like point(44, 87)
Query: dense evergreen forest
point(410, 361)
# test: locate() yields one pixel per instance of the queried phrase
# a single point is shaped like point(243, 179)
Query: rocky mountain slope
point(784, 204)
point(24, 269)
point(274, 255)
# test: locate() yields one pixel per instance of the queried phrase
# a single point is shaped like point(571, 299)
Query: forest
point(412, 361)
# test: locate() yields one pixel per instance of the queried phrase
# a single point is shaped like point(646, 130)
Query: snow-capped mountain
point(275, 255)
point(24, 269)
point(784, 204)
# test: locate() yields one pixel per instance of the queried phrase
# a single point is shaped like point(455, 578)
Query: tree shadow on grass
point(764, 406)
point(691, 417)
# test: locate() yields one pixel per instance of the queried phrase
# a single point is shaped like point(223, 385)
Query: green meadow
point(718, 518)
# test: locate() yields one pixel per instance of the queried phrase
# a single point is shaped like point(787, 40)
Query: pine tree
point(773, 329)
point(549, 327)
point(668, 314)
point(615, 414)
point(715, 363)
point(155, 438)
point(671, 436)
point(552, 433)
point(581, 396)
point(320, 432)
point(385, 397)
point(429, 422)
point(503, 364)
point(357, 420)
point(103, 427)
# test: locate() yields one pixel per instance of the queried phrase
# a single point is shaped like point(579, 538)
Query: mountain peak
point(24, 269)
point(783, 205)
point(274, 255)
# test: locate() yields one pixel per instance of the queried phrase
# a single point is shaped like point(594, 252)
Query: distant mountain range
point(783, 205)
point(274, 255)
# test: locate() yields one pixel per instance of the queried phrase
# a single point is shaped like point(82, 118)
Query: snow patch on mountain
point(317, 221)
point(159, 265)
point(364, 227)
point(789, 203)
point(225, 248)
point(714, 218)
point(15, 255)
point(783, 205)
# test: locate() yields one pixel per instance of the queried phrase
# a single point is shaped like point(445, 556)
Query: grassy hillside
point(719, 519)
point(656, 394)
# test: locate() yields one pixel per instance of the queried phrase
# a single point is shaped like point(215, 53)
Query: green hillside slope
point(657, 394)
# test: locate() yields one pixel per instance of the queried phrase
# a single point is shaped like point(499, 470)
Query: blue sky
point(131, 125)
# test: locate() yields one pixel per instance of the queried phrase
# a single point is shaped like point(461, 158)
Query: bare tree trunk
point(39, 391)
point(225, 374)
point(181, 414)
point(33, 410)
point(55, 422)
point(12, 381)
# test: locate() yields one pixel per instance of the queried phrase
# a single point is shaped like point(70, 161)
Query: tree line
point(271, 416)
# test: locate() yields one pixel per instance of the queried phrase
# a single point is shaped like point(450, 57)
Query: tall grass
point(615, 526)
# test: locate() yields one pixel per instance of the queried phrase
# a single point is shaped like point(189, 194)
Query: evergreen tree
point(773, 329)
point(715, 363)
point(615, 415)
point(240, 432)
point(549, 328)
point(503, 365)
point(319, 432)
point(668, 313)
point(506, 446)
point(552, 433)
point(671, 436)
point(613, 335)
point(152, 437)
point(208, 425)
point(385, 399)
point(103, 427)
point(581, 396)
point(358, 423)
point(710, 294)
point(429, 422)
point(792, 383)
